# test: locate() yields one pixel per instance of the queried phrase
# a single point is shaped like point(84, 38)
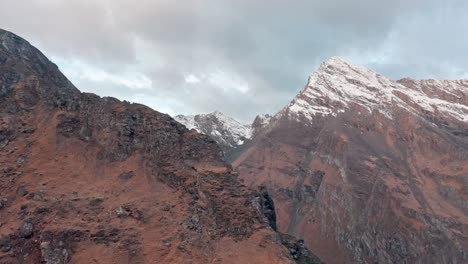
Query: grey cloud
point(85, 29)
point(270, 46)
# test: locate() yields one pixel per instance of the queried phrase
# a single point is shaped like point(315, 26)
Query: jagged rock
point(21, 191)
point(54, 253)
point(120, 211)
point(26, 229)
point(298, 250)
point(57, 246)
point(36, 197)
point(167, 243)
point(260, 124)
point(5, 244)
point(264, 203)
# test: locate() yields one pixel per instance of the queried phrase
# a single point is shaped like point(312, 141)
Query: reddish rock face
point(85, 179)
point(368, 170)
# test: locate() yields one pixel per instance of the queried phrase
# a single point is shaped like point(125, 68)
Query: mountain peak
point(335, 60)
point(337, 85)
point(225, 130)
point(18, 55)
point(19, 47)
point(339, 66)
point(218, 114)
point(9, 40)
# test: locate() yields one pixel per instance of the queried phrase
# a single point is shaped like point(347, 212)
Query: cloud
point(240, 57)
point(80, 71)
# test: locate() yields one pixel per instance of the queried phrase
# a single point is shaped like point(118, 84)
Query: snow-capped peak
point(338, 84)
point(339, 64)
point(228, 132)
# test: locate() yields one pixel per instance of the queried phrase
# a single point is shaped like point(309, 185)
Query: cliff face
point(368, 170)
point(87, 179)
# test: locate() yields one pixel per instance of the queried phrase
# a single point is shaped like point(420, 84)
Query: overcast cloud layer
point(242, 57)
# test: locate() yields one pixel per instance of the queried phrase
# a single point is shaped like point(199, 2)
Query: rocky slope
point(368, 170)
point(85, 179)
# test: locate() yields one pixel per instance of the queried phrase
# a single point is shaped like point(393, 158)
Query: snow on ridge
point(224, 129)
point(334, 88)
point(457, 89)
point(233, 125)
point(187, 120)
point(337, 84)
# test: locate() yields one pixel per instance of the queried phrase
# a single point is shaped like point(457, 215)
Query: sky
point(241, 57)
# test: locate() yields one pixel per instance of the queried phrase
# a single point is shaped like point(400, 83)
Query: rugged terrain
point(85, 179)
point(362, 168)
point(226, 131)
point(230, 134)
point(366, 169)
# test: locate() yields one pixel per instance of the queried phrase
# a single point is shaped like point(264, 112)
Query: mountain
point(366, 169)
point(86, 179)
point(226, 131)
point(338, 86)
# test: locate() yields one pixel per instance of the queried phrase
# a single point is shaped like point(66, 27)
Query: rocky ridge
point(337, 85)
point(226, 131)
point(91, 179)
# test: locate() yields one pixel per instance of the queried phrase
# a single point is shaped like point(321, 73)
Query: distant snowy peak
point(187, 120)
point(337, 85)
point(225, 130)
